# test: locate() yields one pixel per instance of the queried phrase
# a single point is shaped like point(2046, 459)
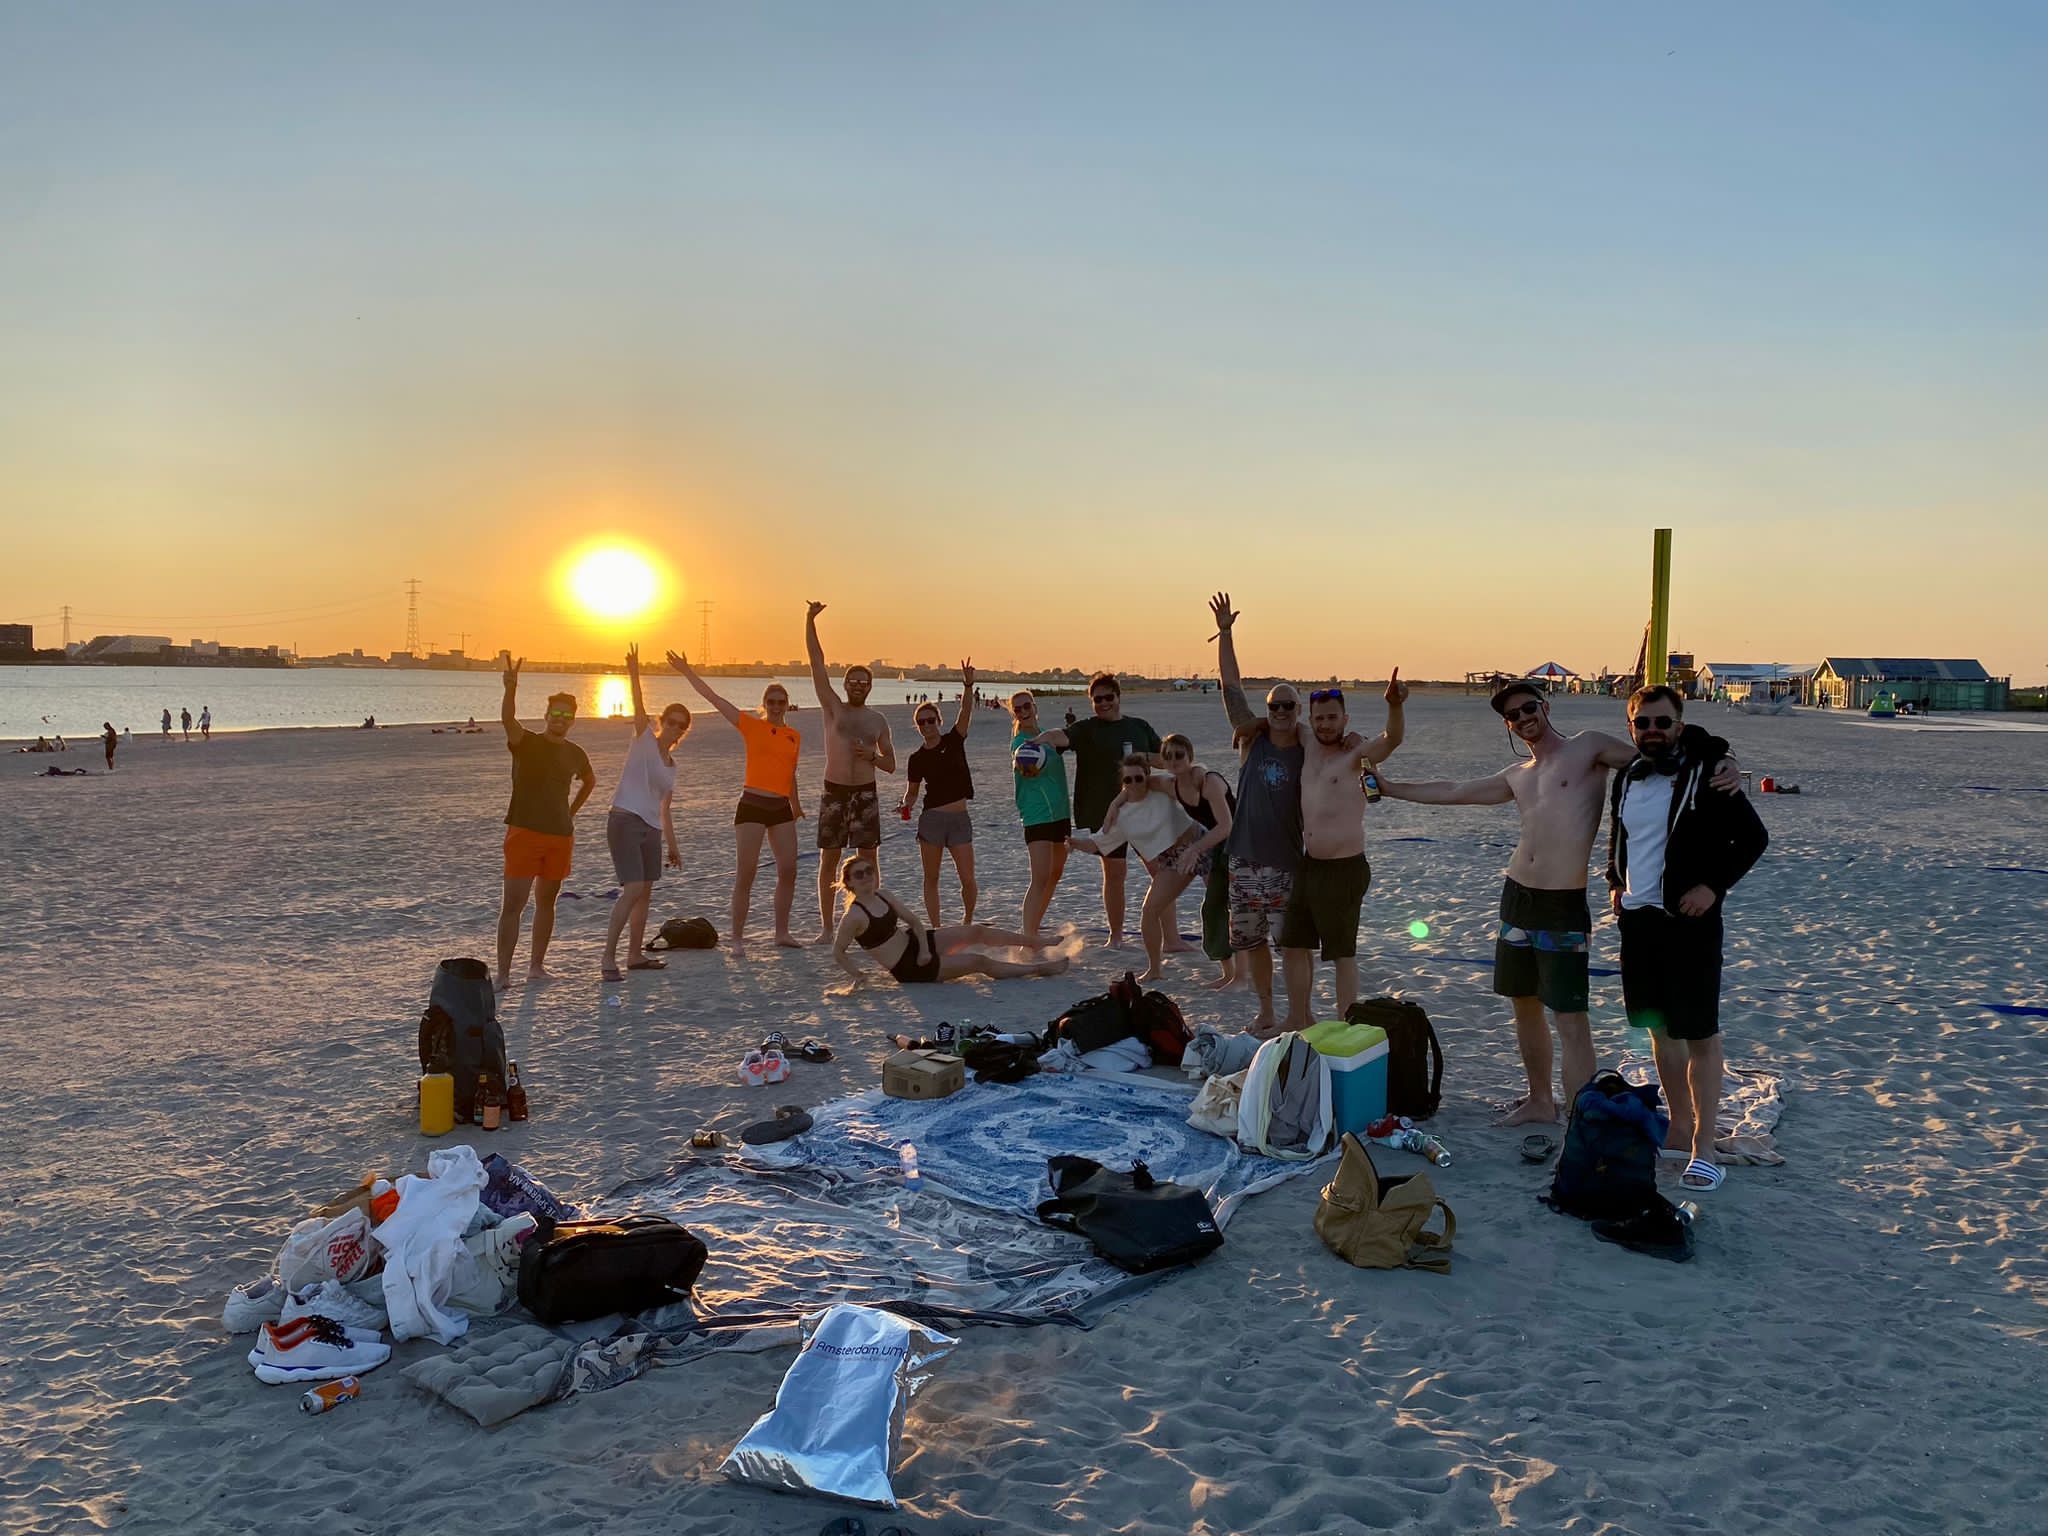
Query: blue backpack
point(1608, 1168)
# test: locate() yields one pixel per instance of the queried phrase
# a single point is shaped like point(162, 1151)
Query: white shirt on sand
point(645, 780)
point(1646, 818)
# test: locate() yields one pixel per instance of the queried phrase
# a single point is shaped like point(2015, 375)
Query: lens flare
point(1418, 929)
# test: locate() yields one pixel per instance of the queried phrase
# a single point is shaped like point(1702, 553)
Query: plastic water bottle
point(913, 1181)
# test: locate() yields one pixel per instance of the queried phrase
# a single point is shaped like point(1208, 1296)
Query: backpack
point(585, 1269)
point(1158, 1022)
point(685, 933)
point(462, 991)
point(999, 1061)
point(1608, 1168)
point(1135, 1222)
point(1095, 1022)
point(1415, 1061)
point(1283, 1110)
point(1376, 1222)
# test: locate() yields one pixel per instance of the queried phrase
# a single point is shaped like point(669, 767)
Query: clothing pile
point(418, 1257)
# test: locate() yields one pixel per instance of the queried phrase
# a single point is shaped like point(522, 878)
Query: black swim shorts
point(1671, 972)
point(1049, 831)
point(1323, 906)
point(759, 809)
point(849, 816)
point(1540, 947)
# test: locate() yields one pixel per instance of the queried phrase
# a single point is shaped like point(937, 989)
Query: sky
point(1014, 332)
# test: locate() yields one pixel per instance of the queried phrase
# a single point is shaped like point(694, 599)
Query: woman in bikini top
point(912, 953)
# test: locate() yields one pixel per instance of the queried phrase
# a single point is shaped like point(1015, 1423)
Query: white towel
point(422, 1243)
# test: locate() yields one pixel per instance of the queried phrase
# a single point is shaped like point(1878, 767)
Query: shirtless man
point(1329, 886)
point(1539, 954)
point(857, 742)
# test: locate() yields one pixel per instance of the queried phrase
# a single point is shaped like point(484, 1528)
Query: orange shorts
point(533, 855)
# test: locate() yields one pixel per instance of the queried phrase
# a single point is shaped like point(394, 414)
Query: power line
point(704, 607)
point(412, 617)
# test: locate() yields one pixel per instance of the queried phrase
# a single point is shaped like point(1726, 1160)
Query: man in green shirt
point(1099, 746)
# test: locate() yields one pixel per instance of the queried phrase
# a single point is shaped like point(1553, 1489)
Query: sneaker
point(313, 1349)
point(250, 1306)
point(334, 1301)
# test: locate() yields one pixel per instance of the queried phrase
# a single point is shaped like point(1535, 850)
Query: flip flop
point(811, 1050)
point(1701, 1175)
point(1537, 1148)
point(775, 1040)
point(646, 965)
point(790, 1120)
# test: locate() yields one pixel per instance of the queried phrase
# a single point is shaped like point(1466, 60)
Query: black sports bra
point(880, 929)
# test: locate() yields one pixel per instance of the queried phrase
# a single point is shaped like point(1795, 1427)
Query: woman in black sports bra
point(1205, 795)
point(913, 953)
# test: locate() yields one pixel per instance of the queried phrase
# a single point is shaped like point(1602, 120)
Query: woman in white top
point(1147, 814)
point(641, 821)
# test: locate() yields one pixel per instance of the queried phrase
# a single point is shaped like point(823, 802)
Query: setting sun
point(611, 581)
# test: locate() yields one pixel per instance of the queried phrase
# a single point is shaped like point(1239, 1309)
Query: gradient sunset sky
point(1016, 331)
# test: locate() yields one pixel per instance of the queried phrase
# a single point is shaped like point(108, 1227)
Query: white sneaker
point(250, 1306)
point(333, 1300)
point(313, 1349)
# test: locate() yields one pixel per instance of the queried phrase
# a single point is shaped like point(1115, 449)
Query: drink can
point(331, 1394)
point(1688, 1212)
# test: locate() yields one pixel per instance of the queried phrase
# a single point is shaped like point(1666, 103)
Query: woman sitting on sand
point(1147, 814)
point(901, 945)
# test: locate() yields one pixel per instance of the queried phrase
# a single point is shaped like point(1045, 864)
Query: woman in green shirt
point(1042, 804)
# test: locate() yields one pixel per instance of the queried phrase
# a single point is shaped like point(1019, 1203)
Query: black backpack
point(1095, 1022)
point(1158, 1021)
point(685, 933)
point(1135, 1222)
point(1415, 1061)
point(585, 1269)
point(1608, 1168)
point(462, 992)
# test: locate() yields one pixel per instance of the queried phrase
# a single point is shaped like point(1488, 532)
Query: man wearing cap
point(1540, 946)
point(857, 742)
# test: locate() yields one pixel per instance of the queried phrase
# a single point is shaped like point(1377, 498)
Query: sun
point(612, 581)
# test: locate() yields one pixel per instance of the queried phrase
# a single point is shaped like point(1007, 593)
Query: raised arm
point(1382, 746)
point(640, 721)
point(509, 713)
point(1491, 790)
point(1235, 705)
point(965, 719)
point(828, 701)
point(682, 664)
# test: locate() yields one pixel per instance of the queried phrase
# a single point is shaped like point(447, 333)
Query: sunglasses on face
point(1527, 711)
point(1023, 709)
point(1653, 722)
point(1103, 698)
point(561, 714)
point(1134, 778)
point(1282, 706)
point(1323, 695)
point(927, 720)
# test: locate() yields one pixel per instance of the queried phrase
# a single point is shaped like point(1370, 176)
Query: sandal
point(1701, 1175)
point(811, 1050)
point(790, 1120)
point(1536, 1149)
point(646, 965)
point(775, 1040)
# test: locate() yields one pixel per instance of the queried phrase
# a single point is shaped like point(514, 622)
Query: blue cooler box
point(1357, 1054)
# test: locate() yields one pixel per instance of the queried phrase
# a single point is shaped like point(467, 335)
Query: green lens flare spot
point(1418, 929)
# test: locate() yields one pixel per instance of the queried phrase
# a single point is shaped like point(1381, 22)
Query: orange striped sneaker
point(313, 1349)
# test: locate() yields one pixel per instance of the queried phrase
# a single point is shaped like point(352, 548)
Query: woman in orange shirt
point(768, 801)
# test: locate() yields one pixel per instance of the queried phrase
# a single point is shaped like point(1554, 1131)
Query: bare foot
point(1152, 973)
point(1052, 967)
point(1265, 1026)
point(823, 938)
point(789, 941)
point(1116, 941)
point(1531, 1111)
point(738, 946)
point(1179, 946)
point(536, 974)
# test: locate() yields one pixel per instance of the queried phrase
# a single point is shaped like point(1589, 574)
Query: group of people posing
point(1282, 853)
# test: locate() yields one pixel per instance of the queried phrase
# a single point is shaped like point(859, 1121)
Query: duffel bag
point(592, 1268)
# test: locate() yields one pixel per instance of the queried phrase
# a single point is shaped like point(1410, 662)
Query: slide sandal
point(1536, 1149)
point(1701, 1175)
point(812, 1050)
point(646, 965)
point(775, 1040)
point(790, 1120)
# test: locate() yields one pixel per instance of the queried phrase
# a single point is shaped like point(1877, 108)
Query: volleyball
point(1030, 758)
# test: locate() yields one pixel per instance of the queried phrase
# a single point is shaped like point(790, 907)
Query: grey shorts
point(946, 829)
point(635, 846)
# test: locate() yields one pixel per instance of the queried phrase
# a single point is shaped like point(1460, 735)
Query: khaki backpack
point(1376, 1222)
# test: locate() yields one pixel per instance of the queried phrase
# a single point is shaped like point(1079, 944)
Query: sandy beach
point(215, 959)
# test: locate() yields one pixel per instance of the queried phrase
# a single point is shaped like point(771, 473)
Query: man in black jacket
point(1673, 852)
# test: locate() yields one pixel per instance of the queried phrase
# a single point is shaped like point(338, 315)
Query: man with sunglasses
point(540, 823)
point(1100, 745)
point(857, 742)
point(1541, 943)
point(1673, 853)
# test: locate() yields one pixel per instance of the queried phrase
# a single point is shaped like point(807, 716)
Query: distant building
point(1739, 682)
point(1851, 682)
point(125, 648)
point(17, 641)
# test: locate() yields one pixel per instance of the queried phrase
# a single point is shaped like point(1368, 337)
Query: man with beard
point(1540, 946)
point(1330, 883)
point(857, 742)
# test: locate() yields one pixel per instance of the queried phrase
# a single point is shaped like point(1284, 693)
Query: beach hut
point(1854, 682)
point(1743, 682)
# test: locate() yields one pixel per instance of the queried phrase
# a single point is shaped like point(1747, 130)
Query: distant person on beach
point(1100, 746)
point(768, 808)
point(641, 828)
point(167, 725)
point(1205, 795)
point(1331, 881)
point(1673, 854)
point(912, 953)
point(110, 739)
point(206, 722)
point(185, 716)
point(1541, 945)
point(1265, 839)
point(1043, 807)
point(1147, 815)
point(940, 766)
point(857, 742)
point(540, 823)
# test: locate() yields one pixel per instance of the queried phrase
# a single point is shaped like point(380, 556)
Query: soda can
point(331, 1394)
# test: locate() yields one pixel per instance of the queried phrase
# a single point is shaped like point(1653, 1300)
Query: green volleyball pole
point(1657, 665)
